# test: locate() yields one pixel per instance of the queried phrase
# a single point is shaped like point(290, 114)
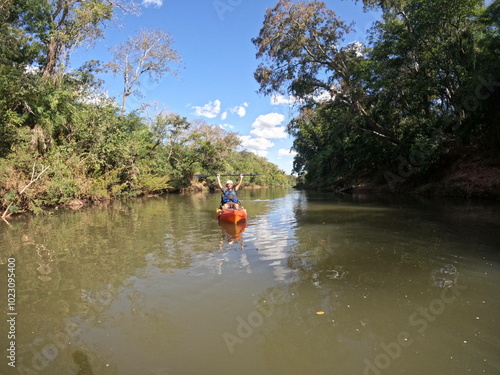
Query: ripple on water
point(158, 284)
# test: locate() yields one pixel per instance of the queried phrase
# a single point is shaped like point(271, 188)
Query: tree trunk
point(124, 101)
point(52, 55)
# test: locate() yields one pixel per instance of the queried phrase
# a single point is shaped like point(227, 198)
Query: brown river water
point(311, 283)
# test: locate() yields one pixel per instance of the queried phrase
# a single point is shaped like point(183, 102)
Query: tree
point(302, 46)
point(385, 5)
point(429, 47)
point(480, 126)
point(170, 130)
point(214, 146)
point(62, 25)
point(427, 84)
point(16, 54)
point(149, 52)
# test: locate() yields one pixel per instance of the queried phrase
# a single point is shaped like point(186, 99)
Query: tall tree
point(214, 146)
point(149, 52)
point(431, 48)
point(169, 129)
point(428, 81)
point(65, 24)
point(302, 45)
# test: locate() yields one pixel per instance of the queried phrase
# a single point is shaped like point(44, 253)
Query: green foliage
point(150, 183)
point(299, 42)
point(96, 153)
point(426, 86)
point(60, 119)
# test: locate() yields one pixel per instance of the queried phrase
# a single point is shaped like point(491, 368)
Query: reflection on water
point(234, 232)
point(82, 361)
point(309, 283)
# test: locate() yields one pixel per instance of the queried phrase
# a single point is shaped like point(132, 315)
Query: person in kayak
point(229, 198)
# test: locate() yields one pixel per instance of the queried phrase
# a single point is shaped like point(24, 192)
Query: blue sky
point(215, 82)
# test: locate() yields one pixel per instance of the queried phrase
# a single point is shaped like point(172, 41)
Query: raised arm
point(239, 183)
point(218, 181)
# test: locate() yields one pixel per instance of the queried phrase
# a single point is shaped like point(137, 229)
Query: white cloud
point(356, 47)
point(266, 126)
point(284, 152)
point(320, 97)
point(31, 70)
point(240, 110)
point(223, 116)
point(94, 98)
point(210, 110)
point(278, 99)
point(268, 121)
point(278, 132)
point(156, 3)
point(258, 146)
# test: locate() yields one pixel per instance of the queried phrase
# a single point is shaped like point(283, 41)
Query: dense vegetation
point(421, 95)
point(61, 141)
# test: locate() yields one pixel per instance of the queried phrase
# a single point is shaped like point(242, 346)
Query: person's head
point(229, 184)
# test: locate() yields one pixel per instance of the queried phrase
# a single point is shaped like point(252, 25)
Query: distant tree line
point(421, 93)
point(66, 141)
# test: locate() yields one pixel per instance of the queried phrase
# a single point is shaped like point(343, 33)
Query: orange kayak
point(232, 215)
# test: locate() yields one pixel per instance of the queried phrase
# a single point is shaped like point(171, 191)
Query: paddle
point(225, 175)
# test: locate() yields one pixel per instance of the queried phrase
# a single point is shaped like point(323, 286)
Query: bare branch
point(147, 52)
point(6, 212)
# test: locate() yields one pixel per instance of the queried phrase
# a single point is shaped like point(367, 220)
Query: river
point(311, 283)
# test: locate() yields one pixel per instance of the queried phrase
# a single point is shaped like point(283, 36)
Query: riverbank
point(469, 176)
point(78, 202)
